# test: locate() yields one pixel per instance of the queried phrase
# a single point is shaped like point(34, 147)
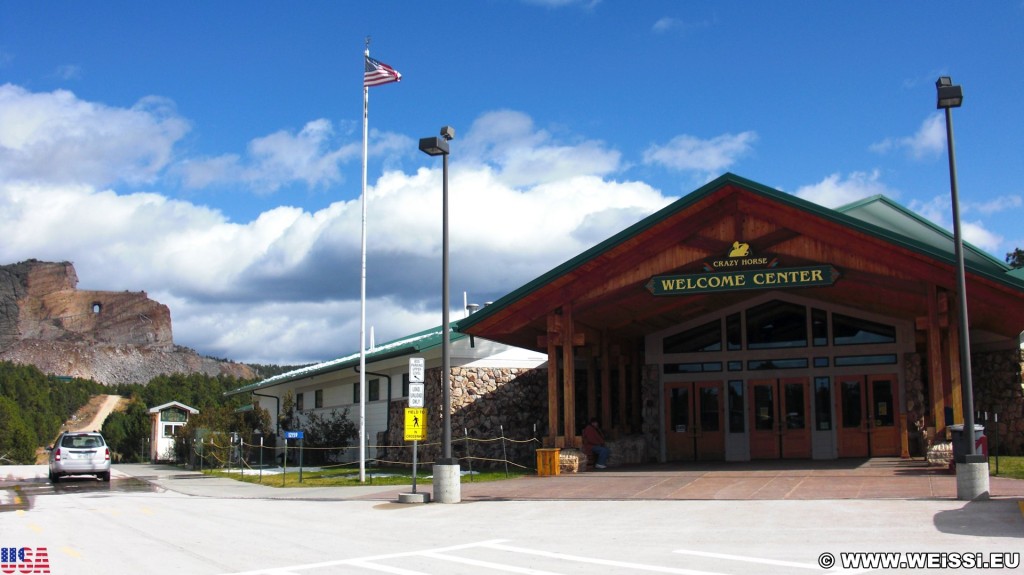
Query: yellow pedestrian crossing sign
point(415, 423)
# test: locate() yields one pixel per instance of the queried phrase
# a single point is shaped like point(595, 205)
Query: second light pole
point(972, 474)
point(447, 475)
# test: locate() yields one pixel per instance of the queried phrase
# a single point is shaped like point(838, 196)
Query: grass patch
point(1009, 466)
point(349, 477)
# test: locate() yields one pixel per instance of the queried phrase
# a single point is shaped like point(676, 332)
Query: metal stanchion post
point(465, 435)
point(504, 454)
point(995, 443)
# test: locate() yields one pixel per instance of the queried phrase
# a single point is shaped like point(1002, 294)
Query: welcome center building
point(742, 323)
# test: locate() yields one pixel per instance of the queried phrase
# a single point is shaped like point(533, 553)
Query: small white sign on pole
point(416, 369)
point(416, 395)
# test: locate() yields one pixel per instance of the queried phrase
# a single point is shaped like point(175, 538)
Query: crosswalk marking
point(385, 563)
point(596, 561)
point(759, 560)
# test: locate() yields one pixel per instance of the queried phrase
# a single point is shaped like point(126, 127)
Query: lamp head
point(949, 96)
point(434, 146)
point(448, 133)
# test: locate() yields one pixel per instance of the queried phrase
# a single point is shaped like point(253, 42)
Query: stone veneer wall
point(650, 399)
point(486, 402)
point(917, 407)
point(996, 378)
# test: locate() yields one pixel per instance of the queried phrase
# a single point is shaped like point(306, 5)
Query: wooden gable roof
point(886, 269)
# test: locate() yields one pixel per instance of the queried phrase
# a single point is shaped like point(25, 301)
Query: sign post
point(415, 430)
point(415, 423)
point(292, 435)
point(416, 397)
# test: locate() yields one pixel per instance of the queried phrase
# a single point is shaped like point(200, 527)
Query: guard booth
point(166, 419)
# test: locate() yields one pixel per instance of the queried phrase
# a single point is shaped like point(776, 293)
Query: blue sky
point(210, 153)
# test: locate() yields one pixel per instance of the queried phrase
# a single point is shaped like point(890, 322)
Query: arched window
point(97, 307)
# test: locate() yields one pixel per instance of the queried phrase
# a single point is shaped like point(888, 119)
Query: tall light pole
point(447, 477)
point(970, 483)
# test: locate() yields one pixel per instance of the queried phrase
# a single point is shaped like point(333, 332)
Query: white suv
point(79, 453)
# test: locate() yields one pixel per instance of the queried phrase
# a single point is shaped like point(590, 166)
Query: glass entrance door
point(779, 422)
point(885, 435)
point(865, 406)
point(694, 412)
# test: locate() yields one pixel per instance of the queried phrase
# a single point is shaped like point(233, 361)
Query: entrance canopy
point(714, 247)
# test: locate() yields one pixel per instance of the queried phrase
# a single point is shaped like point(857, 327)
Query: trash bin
point(547, 461)
point(959, 449)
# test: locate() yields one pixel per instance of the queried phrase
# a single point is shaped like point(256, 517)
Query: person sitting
point(594, 444)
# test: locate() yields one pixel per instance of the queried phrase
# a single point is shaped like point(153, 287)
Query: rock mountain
point(111, 337)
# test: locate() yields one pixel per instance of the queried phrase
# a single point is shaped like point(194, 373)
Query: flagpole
point(362, 291)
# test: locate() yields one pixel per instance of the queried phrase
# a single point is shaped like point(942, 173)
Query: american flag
point(378, 73)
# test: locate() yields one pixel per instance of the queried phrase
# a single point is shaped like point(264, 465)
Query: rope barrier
point(215, 454)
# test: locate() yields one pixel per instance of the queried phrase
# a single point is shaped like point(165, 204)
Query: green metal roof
point(877, 216)
point(885, 213)
point(408, 345)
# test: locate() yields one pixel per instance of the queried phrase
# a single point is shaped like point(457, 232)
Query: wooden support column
point(956, 398)
point(935, 374)
point(569, 377)
point(560, 333)
point(636, 417)
point(606, 383)
point(591, 386)
point(552, 345)
point(623, 421)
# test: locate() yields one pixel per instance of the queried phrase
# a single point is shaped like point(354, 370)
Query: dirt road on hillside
point(91, 416)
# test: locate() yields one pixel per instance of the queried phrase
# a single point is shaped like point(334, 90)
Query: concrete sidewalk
point(879, 478)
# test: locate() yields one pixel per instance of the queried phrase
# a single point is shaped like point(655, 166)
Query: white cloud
point(929, 140)
point(978, 235)
point(668, 24)
point(689, 153)
point(284, 287)
point(834, 191)
point(55, 137)
point(256, 291)
point(68, 72)
point(586, 4)
point(523, 155)
point(994, 205)
point(309, 156)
